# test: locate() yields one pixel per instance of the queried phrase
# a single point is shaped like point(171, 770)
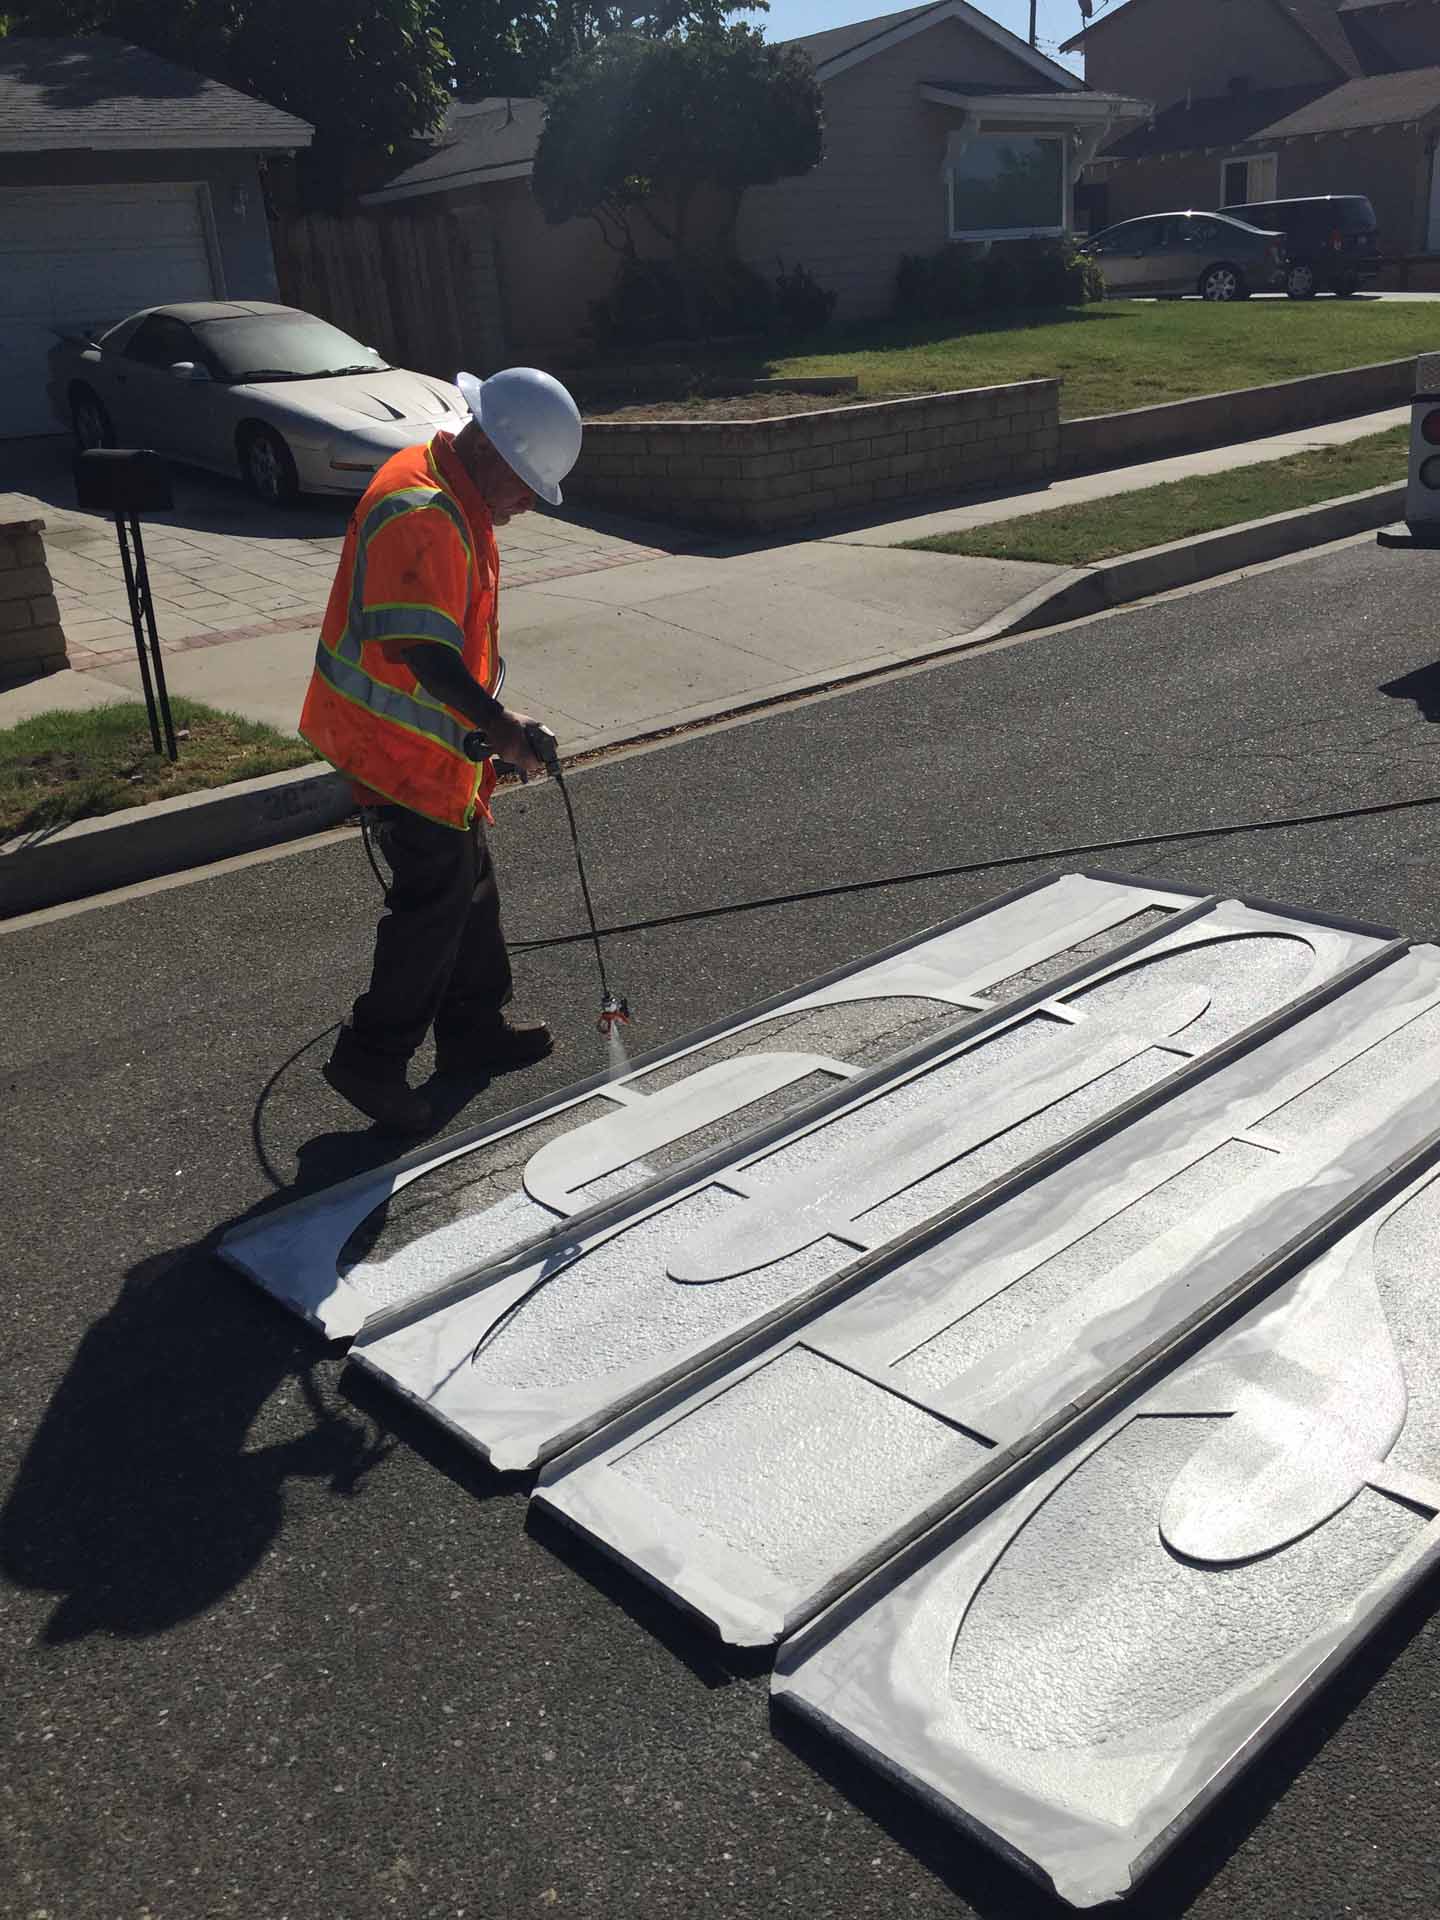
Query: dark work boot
point(378, 1090)
point(495, 1047)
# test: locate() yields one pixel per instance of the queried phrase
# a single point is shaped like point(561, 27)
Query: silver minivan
point(1178, 253)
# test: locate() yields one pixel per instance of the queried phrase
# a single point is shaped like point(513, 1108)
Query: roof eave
point(970, 17)
point(450, 183)
point(1059, 106)
point(137, 142)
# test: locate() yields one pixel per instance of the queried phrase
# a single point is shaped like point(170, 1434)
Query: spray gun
point(614, 1008)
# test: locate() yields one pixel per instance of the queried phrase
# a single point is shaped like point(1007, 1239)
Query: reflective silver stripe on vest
point(408, 623)
point(389, 703)
point(405, 500)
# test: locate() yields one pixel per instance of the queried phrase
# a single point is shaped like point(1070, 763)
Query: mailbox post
point(127, 482)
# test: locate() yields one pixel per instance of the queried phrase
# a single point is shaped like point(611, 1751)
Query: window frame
point(1249, 161)
point(1063, 203)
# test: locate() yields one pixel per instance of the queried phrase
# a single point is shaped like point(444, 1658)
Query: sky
point(789, 18)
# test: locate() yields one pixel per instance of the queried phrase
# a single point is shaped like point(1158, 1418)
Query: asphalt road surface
point(270, 1651)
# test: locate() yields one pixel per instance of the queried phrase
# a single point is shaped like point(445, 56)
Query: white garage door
point(77, 257)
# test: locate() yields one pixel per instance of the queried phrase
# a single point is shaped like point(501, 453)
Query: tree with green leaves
point(497, 49)
point(643, 134)
point(366, 74)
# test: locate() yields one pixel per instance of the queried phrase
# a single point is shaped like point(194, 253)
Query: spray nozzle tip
point(614, 1012)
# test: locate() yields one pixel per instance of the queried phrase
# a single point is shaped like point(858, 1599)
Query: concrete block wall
point(762, 475)
point(1213, 420)
point(32, 641)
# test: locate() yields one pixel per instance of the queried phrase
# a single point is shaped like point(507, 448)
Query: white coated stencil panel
point(533, 1359)
point(1000, 1328)
point(1074, 1684)
point(385, 1238)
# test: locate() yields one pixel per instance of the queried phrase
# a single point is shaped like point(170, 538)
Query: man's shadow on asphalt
point(1422, 687)
point(141, 1501)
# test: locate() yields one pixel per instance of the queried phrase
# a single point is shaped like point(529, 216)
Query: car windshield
point(284, 346)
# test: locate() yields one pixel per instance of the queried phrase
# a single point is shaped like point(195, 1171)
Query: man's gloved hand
point(507, 740)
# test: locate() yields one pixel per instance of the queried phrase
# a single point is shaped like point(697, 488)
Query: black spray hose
point(976, 866)
point(614, 1010)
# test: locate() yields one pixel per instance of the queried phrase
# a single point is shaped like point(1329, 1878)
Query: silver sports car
point(290, 402)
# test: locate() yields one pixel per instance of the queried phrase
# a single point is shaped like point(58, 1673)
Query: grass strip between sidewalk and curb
point(1097, 530)
point(59, 767)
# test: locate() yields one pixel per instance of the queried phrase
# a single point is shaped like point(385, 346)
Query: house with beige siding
point(1273, 99)
point(939, 125)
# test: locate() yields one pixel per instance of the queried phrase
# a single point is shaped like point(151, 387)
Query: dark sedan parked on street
point(1178, 253)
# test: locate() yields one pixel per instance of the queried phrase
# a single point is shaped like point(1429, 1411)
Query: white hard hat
point(531, 422)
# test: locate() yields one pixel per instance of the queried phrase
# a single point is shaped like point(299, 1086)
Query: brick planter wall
point(31, 640)
point(757, 475)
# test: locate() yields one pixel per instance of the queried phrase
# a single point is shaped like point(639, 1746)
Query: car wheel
point(89, 420)
point(1300, 282)
point(268, 467)
point(1222, 283)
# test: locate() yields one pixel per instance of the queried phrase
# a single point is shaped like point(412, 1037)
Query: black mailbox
point(123, 480)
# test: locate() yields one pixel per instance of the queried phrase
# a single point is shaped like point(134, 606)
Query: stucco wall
point(244, 237)
point(878, 193)
point(1387, 163)
point(1161, 49)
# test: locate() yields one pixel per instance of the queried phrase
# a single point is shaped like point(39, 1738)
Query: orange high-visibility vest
point(419, 563)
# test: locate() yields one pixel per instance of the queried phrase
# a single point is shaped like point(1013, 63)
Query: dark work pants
point(439, 951)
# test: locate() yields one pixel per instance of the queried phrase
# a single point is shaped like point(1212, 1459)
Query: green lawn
point(1129, 522)
point(60, 767)
point(1117, 355)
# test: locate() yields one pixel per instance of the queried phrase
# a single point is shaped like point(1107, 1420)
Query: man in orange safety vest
point(406, 679)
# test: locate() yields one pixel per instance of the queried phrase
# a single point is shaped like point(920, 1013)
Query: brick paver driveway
point(223, 568)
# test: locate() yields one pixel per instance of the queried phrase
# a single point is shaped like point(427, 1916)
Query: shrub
point(1084, 280)
point(937, 285)
point(1004, 283)
point(736, 299)
point(802, 305)
point(959, 279)
point(647, 304)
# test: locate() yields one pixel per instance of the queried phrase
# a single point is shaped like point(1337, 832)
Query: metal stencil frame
point(293, 1252)
point(430, 1351)
point(1091, 1811)
point(736, 1456)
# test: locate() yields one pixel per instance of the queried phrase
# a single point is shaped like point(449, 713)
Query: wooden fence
point(422, 289)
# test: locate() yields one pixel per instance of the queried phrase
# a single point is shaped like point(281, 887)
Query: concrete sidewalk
point(612, 630)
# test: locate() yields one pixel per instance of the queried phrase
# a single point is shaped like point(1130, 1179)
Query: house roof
point(840, 47)
point(99, 92)
point(484, 140)
point(1377, 100)
point(1283, 113)
point(1225, 121)
point(1318, 20)
point(834, 41)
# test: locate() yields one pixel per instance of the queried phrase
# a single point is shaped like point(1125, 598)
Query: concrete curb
point(95, 856)
point(1182, 563)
